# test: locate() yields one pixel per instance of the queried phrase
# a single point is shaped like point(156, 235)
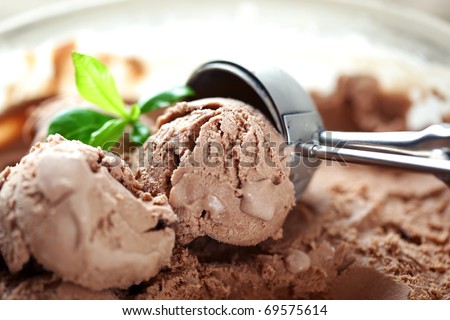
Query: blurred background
point(439, 8)
point(391, 44)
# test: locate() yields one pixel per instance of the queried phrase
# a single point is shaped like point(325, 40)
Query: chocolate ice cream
point(357, 233)
point(74, 209)
point(359, 104)
point(218, 162)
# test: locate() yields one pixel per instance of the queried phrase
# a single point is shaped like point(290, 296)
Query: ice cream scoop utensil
point(426, 150)
point(294, 114)
point(416, 143)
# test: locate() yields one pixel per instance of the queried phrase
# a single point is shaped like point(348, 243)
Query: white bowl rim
point(409, 16)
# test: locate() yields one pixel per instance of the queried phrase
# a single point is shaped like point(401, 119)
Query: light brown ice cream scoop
point(218, 162)
point(71, 207)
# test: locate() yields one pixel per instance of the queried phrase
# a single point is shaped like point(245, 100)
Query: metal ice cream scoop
point(294, 114)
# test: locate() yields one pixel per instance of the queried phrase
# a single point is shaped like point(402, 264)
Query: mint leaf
point(140, 133)
point(167, 98)
point(96, 84)
point(108, 134)
point(135, 112)
point(77, 124)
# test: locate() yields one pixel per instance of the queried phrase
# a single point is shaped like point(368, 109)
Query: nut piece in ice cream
point(72, 208)
point(219, 163)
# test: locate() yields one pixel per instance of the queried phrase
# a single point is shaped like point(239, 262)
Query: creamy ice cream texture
point(77, 212)
point(218, 162)
point(358, 232)
point(80, 212)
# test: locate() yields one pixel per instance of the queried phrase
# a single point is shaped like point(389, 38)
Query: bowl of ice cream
point(222, 231)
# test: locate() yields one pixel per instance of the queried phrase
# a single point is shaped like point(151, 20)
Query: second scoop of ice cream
point(219, 162)
point(71, 207)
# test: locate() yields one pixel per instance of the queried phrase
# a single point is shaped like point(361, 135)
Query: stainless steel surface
point(426, 151)
point(417, 143)
point(439, 167)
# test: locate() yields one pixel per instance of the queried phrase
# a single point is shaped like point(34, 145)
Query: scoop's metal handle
point(440, 166)
point(425, 151)
point(416, 143)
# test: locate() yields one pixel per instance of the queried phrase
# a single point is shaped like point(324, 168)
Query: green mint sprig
point(96, 84)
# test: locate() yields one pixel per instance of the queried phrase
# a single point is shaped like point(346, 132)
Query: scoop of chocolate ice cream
point(75, 210)
point(219, 163)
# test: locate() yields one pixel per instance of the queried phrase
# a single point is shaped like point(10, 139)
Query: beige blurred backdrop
point(9, 8)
